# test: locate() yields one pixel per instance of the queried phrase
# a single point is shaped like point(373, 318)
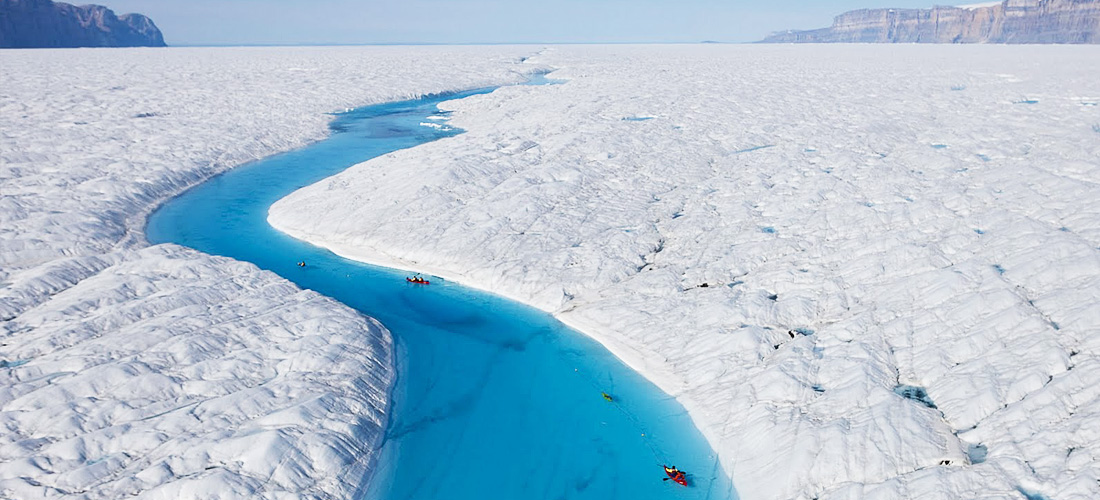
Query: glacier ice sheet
point(794, 233)
point(158, 371)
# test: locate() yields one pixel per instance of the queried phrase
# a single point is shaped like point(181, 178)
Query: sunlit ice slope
point(162, 372)
point(868, 272)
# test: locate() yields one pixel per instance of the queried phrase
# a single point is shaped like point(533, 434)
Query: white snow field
point(162, 372)
point(790, 239)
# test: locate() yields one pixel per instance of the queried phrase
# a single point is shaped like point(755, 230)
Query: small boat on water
point(418, 280)
point(677, 476)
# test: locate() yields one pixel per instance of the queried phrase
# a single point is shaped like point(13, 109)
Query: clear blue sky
point(234, 22)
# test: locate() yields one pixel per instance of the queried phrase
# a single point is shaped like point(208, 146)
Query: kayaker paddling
point(677, 476)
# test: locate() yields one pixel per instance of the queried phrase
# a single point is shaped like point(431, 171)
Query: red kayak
point(677, 476)
point(419, 281)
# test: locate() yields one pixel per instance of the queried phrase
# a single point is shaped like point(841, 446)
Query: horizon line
point(368, 44)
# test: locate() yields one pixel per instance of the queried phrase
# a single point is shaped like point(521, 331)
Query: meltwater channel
point(493, 399)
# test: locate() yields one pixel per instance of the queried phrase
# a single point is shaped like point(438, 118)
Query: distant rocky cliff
point(1011, 21)
point(43, 23)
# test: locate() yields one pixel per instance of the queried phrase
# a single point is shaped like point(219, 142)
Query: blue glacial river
point(494, 400)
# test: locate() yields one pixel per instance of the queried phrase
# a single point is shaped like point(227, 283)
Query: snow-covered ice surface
point(161, 371)
point(869, 272)
point(173, 374)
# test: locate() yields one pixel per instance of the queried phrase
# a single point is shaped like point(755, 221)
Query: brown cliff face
point(1012, 21)
point(44, 23)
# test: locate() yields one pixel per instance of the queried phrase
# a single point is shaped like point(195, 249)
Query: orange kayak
point(676, 476)
point(418, 281)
